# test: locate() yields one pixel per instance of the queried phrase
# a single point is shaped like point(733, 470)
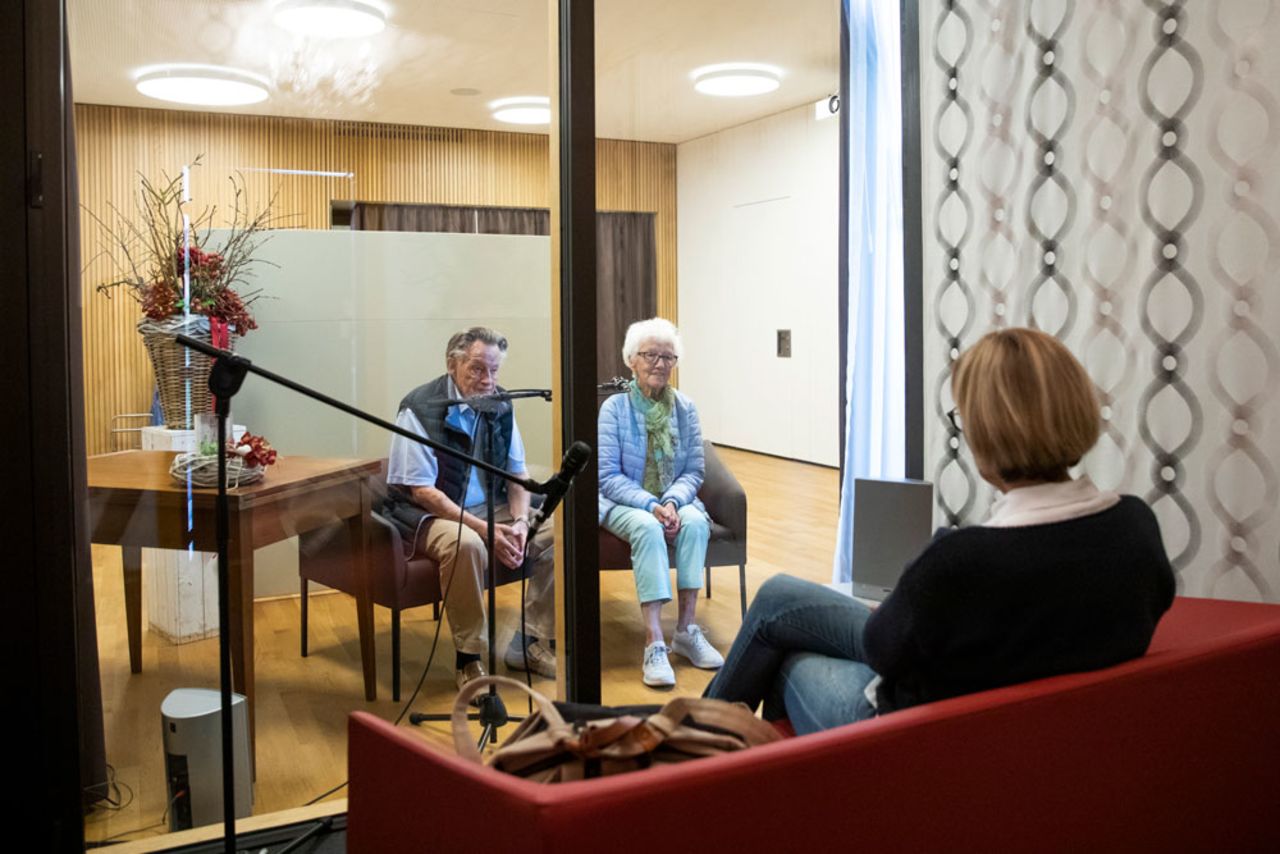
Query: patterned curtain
point(1105, 170)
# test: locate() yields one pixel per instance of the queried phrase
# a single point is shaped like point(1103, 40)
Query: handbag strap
point(730, 717)
point(462, 742)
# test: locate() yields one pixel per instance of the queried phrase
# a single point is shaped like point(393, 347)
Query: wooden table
point(134, 503)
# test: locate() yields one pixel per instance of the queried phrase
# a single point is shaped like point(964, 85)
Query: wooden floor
point(303, 703)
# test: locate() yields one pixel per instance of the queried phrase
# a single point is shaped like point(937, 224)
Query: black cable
point(435, 640)
point(164, 819)
point(111, 783)
point(321, 826)
point(444, 596)
point(318, 798)
point(524, 639)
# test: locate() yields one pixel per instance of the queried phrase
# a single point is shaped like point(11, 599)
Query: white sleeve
point(410, 463)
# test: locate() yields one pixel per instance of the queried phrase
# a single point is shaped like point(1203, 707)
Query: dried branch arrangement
point(163, 260)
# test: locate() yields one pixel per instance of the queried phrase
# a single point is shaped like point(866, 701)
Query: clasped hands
point(670, 519)
point(509, 542)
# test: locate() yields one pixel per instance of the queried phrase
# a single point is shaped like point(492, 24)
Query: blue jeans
point(800, 652)
point(649, 561)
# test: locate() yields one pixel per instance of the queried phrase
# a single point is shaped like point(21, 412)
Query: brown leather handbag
point(547, 749)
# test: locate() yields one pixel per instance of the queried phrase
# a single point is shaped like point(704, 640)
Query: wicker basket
point(182, 375)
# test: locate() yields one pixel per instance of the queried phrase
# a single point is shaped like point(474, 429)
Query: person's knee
point(470, 546)
point(779, 586)
point(542, 549)
point(648, 531)
point(695, 524)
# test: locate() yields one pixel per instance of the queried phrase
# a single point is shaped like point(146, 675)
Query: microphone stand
point(225, 378)
point(226, 375)
point(492, 712)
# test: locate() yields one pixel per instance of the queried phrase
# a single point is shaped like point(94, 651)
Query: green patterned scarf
point(659, 458)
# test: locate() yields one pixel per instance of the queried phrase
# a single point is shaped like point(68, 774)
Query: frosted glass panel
point(365, 317)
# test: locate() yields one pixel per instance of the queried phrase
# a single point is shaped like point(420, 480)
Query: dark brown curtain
point(513, 221)
point(626, 257)
point(627, 284)
point(450, 219)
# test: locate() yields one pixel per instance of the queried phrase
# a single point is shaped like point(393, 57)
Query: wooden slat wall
point(389, 163)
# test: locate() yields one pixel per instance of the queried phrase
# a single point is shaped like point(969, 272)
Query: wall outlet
point(784, 343)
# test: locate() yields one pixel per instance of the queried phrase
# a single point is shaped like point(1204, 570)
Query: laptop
point(892, 523)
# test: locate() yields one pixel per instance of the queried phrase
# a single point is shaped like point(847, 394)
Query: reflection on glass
point(734, 239)
point(402, 210)
point(415, 210)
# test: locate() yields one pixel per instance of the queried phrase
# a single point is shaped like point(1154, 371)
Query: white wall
point(758, 228)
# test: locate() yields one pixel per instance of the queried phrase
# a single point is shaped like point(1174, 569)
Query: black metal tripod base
point(492, 714)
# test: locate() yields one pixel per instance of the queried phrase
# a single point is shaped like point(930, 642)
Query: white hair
point(653, 329)
point(460, 343)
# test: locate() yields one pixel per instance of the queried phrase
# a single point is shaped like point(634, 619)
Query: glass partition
point(404, 158)
point(407, 200)
point(719, 177)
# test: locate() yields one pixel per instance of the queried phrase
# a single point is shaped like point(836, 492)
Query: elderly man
point(433, 492)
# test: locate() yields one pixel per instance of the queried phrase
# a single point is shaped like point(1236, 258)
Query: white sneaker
point(693, 645)
point(657, 670)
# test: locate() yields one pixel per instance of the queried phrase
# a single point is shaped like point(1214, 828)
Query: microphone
point(575, 460)
point(520, 394)
point(614, 385)
point(486, 404)
point(500, 401)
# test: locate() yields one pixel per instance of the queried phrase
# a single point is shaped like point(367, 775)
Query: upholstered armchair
point(726, 503)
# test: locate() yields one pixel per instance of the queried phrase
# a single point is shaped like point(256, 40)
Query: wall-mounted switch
point(784, 343)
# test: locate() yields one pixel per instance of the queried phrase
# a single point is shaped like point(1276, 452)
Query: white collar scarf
point(1046, 503)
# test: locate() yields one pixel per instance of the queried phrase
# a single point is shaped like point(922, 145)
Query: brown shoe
point(474, 670)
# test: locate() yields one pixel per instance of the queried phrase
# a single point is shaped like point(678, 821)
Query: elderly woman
point(1062, 577)
point(651, 467)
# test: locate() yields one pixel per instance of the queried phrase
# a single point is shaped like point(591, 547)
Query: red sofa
point(1178, 751)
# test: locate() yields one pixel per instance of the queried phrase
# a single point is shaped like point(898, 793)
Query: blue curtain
point(875, 378)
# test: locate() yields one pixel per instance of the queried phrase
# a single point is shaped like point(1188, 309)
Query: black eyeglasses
point(954, 417)
point(651, 358)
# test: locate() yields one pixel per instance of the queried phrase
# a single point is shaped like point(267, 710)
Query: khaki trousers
point(464, 565)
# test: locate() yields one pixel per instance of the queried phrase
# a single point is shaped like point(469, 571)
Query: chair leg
point(742, 586)
point(304, 617)
point(707, 570)
point(435, 611)
point(395, 654)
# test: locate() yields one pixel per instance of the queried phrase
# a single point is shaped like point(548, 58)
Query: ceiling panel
point(407, 73)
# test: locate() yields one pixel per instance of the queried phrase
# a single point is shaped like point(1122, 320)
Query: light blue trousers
point(649, 549)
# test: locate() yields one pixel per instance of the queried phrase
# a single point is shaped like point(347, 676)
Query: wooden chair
point(726, 503)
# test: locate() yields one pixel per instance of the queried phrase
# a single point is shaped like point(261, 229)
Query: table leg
point(132, 561)
point(240, 580)
point(358, 526)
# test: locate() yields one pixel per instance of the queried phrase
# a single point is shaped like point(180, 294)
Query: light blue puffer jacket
point(621, 451)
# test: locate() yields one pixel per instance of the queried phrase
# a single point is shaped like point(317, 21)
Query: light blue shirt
point(412, 464)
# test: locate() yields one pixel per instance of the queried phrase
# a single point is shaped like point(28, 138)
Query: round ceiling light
point(522, 111)
point(202, 85)
point(331, 19)
point(736, 79)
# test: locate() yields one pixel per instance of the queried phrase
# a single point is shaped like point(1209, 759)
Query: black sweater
point(985, 607)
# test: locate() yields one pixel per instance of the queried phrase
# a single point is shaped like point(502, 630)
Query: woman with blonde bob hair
point(1062, 577)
